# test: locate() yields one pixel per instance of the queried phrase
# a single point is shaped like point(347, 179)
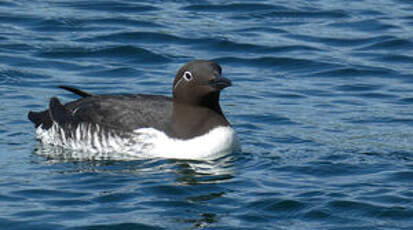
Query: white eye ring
point(187, 76)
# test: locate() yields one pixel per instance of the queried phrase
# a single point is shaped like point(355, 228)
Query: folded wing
point(122, 112)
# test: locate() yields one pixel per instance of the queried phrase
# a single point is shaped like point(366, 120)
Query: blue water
point(322, 103)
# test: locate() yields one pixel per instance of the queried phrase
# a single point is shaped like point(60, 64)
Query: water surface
point(322, 104)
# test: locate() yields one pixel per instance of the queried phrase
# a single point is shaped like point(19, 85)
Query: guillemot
point(190, 125)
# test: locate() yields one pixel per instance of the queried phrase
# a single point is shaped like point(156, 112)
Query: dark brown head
point(199, 82)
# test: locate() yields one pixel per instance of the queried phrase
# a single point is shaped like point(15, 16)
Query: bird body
point(190, 125)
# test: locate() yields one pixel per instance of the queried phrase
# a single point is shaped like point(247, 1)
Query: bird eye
point(187, 76)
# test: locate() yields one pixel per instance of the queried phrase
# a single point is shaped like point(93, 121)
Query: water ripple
point(109, 6)
point(234, 7)
point(126, 52)
point(391, 45)
point(321, 103)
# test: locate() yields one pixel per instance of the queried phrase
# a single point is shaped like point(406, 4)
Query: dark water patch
point(68, 203)
point(283, 95)
point(21, 225)
point(406, 100)
point(109, 6)
point(225, 45)
point(38, 214)
point(349, 102)
point(298, 15)
point(409, 20)
point(19, 77)
point(400, 155)
point(381, 120)
point(314, 215)
point(407, 78)
point(315, 92)
point(208, 43)
point(138, 36)
point(358, 87)
point(370, 12)
point(270, 119)
point(385, 199)
point(390, 45)
point(115, 71)
point(289, 139)
point(395, 58)
point(16, 47)
point(407, 2)
point(401, 176)
point(254, 218)
point(277, 206)
point(356, 208)
point(64, 65)
point(377, 95)
point(8, 4)
point(245, 126)
point(123, 21)
point(166, 189)
point(46, 193)
point(303, 71)
point(114, 197)
point(61, 24)
point(280, 63)
point(327, 169)
point(340, 41)
point(120, 226)
point(8, 198)
point(258, 30)
point(16, 61)
point(126, 52)
point(19, 19)
point(364, 25)
point(234, 7)
point(168, 204)
point(311, 194)
point(350, 72)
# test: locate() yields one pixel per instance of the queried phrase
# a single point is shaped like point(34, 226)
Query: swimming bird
point(190, 125)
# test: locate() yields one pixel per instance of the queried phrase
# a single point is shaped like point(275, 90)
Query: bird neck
point(189, 120)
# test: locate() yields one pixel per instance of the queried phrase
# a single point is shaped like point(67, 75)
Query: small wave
point(289, 63)
point(235, 7)
point(123, 21)
point(354, 72)
point(390, 45)
point(60, 24)
point(247, 48)
point(20, 77)
point(116, 71)
point(407, 100)
point(395, 58)
point(334, 41)
point(358, 87)
point(137, 36)
point(276, 205)
point(125, 51)
point(364, 25)
point(109, 6)
point(300, 15)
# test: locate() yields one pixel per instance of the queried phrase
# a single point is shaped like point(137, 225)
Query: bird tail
point(75, 91)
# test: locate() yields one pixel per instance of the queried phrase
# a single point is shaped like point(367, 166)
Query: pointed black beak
point(220, 83)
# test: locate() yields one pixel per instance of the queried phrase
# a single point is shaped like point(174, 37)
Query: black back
point(124, 112)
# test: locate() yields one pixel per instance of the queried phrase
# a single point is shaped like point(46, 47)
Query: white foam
point(141, 143)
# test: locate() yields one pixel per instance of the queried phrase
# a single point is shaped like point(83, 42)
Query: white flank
point(142, 143)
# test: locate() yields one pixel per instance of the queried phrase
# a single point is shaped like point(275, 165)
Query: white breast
point(216, 142)
point(142, 143)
